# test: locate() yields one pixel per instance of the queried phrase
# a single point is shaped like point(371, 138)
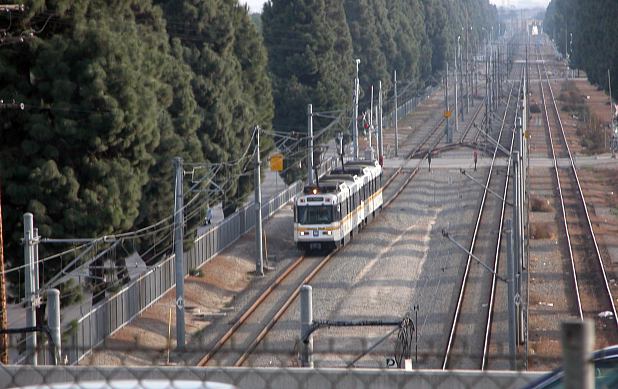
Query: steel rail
point(583, 200)
point(294, 294)
point(268, 291)
point(562, 207)
point(464, 279)
point(492, 293)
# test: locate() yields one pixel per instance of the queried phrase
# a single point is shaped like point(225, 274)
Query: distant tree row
point(113, 90)
point(312, 45)
point(587, 30)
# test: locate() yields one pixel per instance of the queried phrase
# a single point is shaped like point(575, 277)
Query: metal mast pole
point(380, 128)
point(456, 88)
point(178, 254)
point(467, 73)
point(449, 137)
point(356, 92)
point(4, 338)
point(396, 118)
point(259, 260)
point(30, 291)
point(310, 178)
point(371, 119)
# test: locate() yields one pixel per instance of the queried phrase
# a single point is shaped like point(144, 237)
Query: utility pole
point(178, 255)
point(4, 338)
point(356, 92)
point(512, 315)
point(468, 78)
point(449, 136)
point(310, 178)
point(259, 260)
point(396, 126)
point(30, 288)
point(456, 88)
point(371, 120)
point(380, 128)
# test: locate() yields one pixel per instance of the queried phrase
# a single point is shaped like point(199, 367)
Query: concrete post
point(306, 320)
point(380, 128)
point(396, 119)
point(259, 260)
point(310, 178)
point(577, 344)
point(510, 301)
point(178, 256)
point(30, 291)
point(53, 322)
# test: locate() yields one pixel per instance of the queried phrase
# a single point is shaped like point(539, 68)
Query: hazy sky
point(256, 5)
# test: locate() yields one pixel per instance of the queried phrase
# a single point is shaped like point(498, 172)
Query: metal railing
point(406, 108)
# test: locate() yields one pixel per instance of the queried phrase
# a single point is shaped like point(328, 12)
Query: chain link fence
point(193, 378)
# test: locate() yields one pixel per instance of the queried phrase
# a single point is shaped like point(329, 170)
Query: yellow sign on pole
point(276, 162)
point(447, 114)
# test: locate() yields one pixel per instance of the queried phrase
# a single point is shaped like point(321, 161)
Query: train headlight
point(304, 233)
point(327, 232)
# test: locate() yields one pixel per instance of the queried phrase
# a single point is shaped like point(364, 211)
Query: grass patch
point(540, 204)
point(542, 231)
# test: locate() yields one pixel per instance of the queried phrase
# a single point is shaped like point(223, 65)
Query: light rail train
point(329, 213)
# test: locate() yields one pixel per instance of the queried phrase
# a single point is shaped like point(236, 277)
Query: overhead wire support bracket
point(494, 142)
point(447, 236)
point(462, 171)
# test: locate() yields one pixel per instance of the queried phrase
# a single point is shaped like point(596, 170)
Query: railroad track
point(591, 293)
point(275, 300)
point(460, 349)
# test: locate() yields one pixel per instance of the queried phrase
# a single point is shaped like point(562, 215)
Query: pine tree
point(310, 61)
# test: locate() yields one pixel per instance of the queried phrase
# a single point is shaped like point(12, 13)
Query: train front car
point(317, 217)
point(327, 215)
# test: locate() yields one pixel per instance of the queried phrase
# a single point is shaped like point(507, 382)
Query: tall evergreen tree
point(310, 60)
point(230, 83)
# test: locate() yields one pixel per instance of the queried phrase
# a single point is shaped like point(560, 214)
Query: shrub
point(539, 204)
point(542, 231)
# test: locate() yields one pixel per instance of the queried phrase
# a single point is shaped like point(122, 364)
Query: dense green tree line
point(594, 47)
point(312, 45)
point(113, 90)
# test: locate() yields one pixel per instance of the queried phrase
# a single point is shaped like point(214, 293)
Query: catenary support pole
point(356, 93)
point(577, 344)
point(371, 119)
point(30, 292)
point(4, 338)
point(53, 322)
point(306, 320)
point(259, 259)
point(512, 324)
point(396, 119)
point(380, 128)
point(310, 174)
point(457, 87)
point(178, 255)
point(449, 136)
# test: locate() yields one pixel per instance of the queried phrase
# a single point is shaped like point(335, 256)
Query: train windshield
point(315, 214)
